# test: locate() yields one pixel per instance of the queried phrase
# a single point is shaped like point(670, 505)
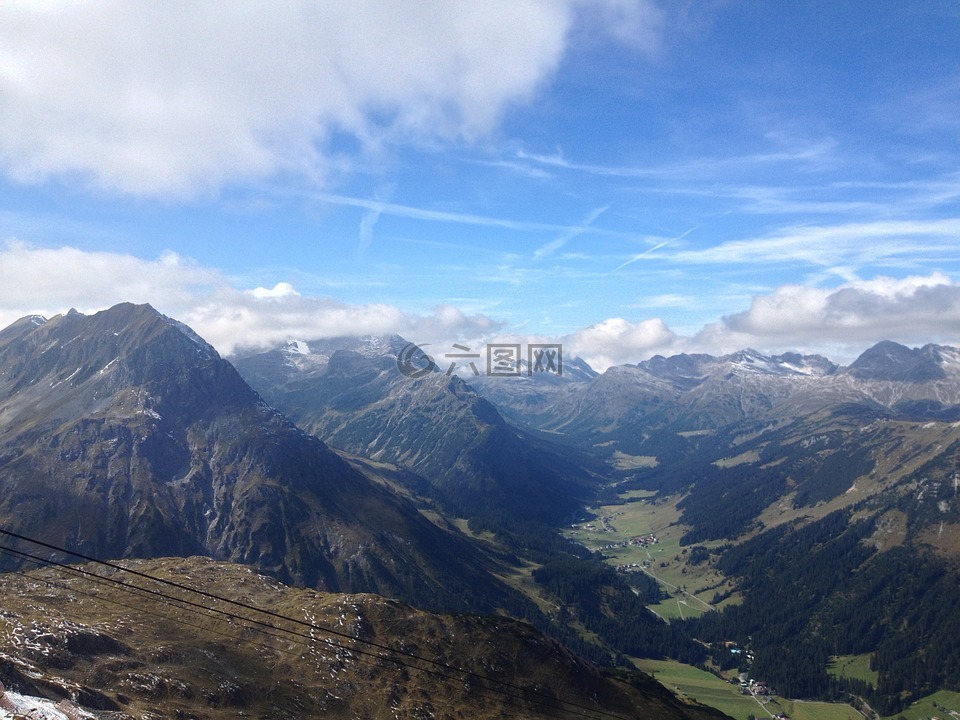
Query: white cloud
point(804, 153)
point(839, 322)
point(367, 223)
point(667, 300)
point(915, 309)
point(845, 244)
point(616, 341)
point(280, 290)
point(153, 98)
point(557, 243)
point(440, 216)
point(232, 321)
point(50, 281)
point(635, 23)
point(654, 248)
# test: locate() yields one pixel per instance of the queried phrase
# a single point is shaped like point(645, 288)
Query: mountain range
point(350, 392)
point(756, 452)
point(696, 392)
point(123, 434)
point(825, 497)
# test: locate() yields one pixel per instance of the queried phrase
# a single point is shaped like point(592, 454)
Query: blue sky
point(627, 177)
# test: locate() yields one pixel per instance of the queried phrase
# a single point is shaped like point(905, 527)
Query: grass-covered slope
point(139, 655)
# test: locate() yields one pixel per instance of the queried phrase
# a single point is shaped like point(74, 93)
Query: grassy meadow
point(690, 587)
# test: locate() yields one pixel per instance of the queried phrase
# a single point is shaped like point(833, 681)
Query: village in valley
point(641, 534)
point(638, 541)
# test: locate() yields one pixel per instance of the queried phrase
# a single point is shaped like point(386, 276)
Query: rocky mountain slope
point(123, 434)
point(629, 407)
point(119, 653)
point(350, 393)
point(527, 400)
point(827, 497)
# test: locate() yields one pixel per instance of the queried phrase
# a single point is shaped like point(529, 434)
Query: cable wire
point(126, 587)
point(442, 668)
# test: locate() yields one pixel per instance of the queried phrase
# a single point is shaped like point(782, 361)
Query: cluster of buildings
point(606, 525)
point(642, 541)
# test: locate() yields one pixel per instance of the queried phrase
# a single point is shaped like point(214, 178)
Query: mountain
point(912, 381)
point(124, 653)
point(350, 393)
point(822, 500)
point(891, 361)
point(526, 399)
point(759, 441)
point(655, 407)
point(694, 392)
point(658, 407)
point(301, 360)
point(123, 434)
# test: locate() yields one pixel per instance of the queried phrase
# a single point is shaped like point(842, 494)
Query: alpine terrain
point(350, 393)
point(123, 434)
point(815, 509)
point(779, 520)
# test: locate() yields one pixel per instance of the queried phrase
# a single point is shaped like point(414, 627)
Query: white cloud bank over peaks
point(839, 322)
point(914, 309)
point(616, 341)
point(160, 99)
point(50, 281)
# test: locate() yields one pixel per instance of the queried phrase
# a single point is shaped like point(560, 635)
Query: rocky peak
point(110, 361)
point(892, 361)
point(787, 364)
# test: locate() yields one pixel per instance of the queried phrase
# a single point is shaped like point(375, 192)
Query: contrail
point(570, 234)
point(655, 247)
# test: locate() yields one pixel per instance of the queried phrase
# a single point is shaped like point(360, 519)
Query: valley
point(775, 510)
point(479, 360)
point(642, 534)
point(707, 688)
point(692, 517)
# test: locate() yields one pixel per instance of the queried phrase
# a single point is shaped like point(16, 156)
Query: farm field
point(699, 685)
point(944, 704)
point(853, 666)
point(803, 710)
